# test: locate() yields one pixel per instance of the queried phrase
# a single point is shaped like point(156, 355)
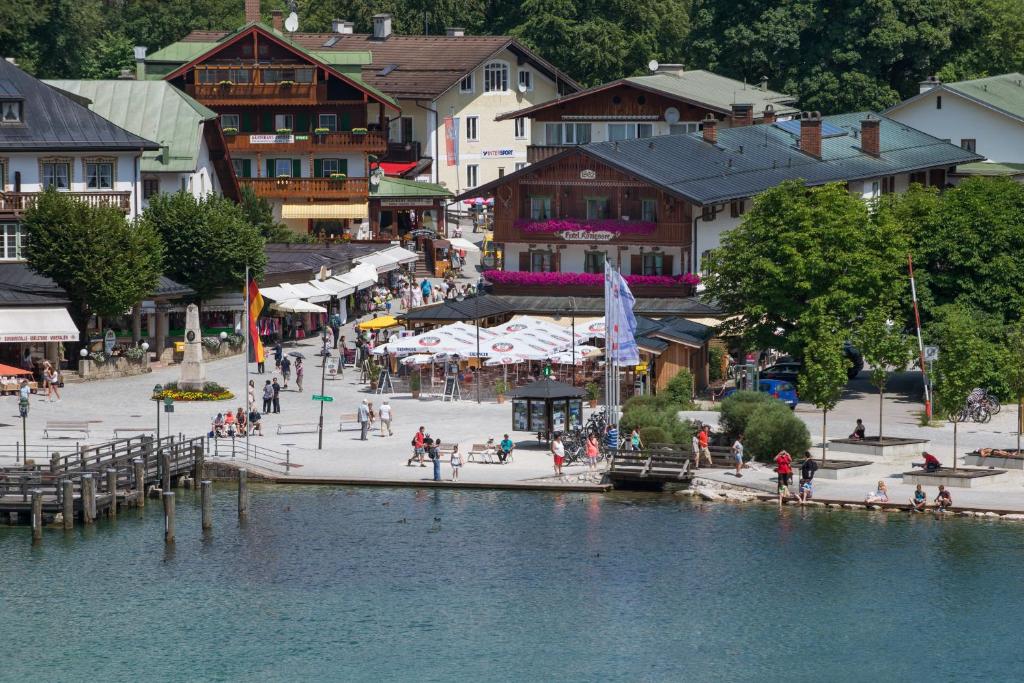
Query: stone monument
point(193, 371)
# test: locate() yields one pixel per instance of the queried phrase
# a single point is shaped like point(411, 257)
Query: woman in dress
point(456, 462)
point(593, 449)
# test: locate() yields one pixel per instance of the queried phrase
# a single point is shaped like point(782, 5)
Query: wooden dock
point(95, 480)
point(650, 469)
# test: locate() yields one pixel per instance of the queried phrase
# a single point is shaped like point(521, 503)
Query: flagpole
point(245, 357)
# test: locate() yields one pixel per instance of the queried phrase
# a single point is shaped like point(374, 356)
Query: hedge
point(772, 427)
point(737, 409)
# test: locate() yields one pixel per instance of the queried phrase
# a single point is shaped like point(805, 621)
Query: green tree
point(823, 374)
point(111, 53)
point(208, 241)
point(773, 428)
point(798, 246)
point(1015, 371)
point(885, 348)
point(258, 213)
point(105, 264)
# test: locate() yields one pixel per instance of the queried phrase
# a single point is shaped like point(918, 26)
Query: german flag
point(256, 352)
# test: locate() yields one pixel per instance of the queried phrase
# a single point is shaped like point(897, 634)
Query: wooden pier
point(650, 469)
point(99, 478)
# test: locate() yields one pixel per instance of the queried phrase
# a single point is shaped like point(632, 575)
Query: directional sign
point(326, 399)
point(931, 353)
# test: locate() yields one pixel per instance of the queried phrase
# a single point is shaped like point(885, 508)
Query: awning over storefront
point(297, 306)
point(397, 168)
point(325, 211)
point(380, 260)
point(334, 287)
point(30, 324)
point(223, 303)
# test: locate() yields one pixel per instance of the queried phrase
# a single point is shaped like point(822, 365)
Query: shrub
point(655, 412)
point(772, 428)
point(679, 390)
point(649, 435)
point(716, 363)
point(501, 387)
point(415, 381)
point(593, 390)
point(737, 409)
point(134, 353)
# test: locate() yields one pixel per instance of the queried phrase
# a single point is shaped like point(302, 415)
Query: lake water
point(433, 585)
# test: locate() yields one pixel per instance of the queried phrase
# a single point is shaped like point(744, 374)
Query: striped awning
point(325, 211)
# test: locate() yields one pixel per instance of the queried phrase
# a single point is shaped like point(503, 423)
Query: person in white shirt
point(558, 451)
point(385, 418)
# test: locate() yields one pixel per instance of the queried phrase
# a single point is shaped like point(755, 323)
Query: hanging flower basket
point(284, 131)
point(230, 131)
point(359, 131)
point(225, 84)
point(607, 224)
point(338, 176)
point(321, 131)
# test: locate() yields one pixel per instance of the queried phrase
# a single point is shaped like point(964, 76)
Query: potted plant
point(284, 131)
point(374, 373)
point(593, 390)
point(287, 84)
point(338, 176)
point(414, 384)
point(230, 131)
point(321, 131)
point(225, 84)
point(359, 131)
point(500, 389)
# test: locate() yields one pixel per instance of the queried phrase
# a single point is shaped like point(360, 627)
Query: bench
point(483, 452)
point(298, 427)
point(65, 426)
point(348, 418)
point(138, 431)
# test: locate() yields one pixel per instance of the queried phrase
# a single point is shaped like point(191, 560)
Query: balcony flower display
point(230, 131)
point(284, 131)
point(321, 131)
point(225, 84)
point(287, 84)
point(359, 131)
point(338, 176)
point(604, 224)
point(521, 279)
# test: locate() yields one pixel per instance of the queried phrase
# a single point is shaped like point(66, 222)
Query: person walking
point(456, 462)
point(286, 371)
point(278, 354)
point(300, 370)
point(593, 449)
point(385, 418)
point(434, 452)
point(364, 420)
point(261, 365)
point(418, 440)
point(252, 394)
point(635, 444)
point(703, 438)
point(276, 388)
point(268, 397)
point(341, 352)
point(558, 452)
point(52, 383)
point(737, 452)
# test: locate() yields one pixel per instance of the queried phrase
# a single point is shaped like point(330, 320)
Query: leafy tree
point(798, 246)
point(823, 374)
point(105, 264)
point(885, 348)
point(258, 213)
point(737, 410)
point(1015, 371)
point(208, 241)
point(108, 56)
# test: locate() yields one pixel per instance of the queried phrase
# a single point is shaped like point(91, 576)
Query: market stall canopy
point(325, 211)
point(463, 244)
point(401, 255)
point(296, 306)
point(31, 324)
point(8, 370)
point(360, 277)
point(380, 261)
point(381, 323)
point(547, 389)
point(334, 287)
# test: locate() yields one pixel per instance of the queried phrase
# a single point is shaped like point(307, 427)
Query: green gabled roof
point(704, 87)
point(180, 52)
point(988, 168)
point(339, 58)
point(400, 187)
point(1004, 92)
point(155, 110)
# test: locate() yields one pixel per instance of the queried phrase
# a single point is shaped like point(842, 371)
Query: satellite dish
point(671, 115)
point(653, 65)
point(291, 24)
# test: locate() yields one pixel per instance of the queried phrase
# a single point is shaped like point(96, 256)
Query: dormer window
point(11, 111)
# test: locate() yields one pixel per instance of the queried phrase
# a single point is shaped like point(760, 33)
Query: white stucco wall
point(356, 162)
point(126, 176)
point(999, 137)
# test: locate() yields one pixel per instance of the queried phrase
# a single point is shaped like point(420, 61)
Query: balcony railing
point(19, 202)
point(319, 188)
point(535, 153)
point(373, 142)
point(403, 151)
point(254, 93)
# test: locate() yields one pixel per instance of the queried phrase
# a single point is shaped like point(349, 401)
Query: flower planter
point(501, 398)
point(359, 131)
point(606, 224)
point(415, 393)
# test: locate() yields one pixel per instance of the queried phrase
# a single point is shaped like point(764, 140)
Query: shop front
point(29, 334)
point(403, 209)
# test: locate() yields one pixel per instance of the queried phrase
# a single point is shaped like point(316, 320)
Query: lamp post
point(476, 319)
point(157, 390)
point(323, 376)
point(23, 412)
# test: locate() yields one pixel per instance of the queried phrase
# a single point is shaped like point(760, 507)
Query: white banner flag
point(620, 324)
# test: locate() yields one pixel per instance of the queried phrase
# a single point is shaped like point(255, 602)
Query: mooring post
point(168, 516)
point(112, 490)
point(68, 494)
point(37, 515)
point(243, 494)
point(139, 465)
point(200, 457)
point(206, 492)
point(287, 461)
point(88, 499)
point(167, 471)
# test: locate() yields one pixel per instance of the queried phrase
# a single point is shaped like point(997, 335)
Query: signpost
point(325, 399)
point(168, 408)
point(23, 411)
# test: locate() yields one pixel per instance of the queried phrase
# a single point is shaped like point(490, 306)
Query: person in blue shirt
point(920, 500)
point(425, 289)
point(611, 437)
point(505, 449)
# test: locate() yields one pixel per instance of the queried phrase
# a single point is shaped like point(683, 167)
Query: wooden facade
point(678, 357)
point(624, 102)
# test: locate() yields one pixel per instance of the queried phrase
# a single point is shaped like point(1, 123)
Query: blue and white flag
point(620, 324)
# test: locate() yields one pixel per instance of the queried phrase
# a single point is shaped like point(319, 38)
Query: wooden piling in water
point(243, 494)
point(139, 465)
point(112, 490)
point(167, 471)
point(88, 499)
point(37, 516)
point(68, 495)
point(168, 516)
point(200, 460)
point(206, 492)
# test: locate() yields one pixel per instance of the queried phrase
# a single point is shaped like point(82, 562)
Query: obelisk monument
point(193, 371)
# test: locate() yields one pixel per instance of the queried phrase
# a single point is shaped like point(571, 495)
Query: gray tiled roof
point(751, 159)
point(54, 121)
point(594, 305)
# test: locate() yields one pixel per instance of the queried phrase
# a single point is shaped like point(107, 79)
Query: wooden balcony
point(535, 153)
point(373, 142)
point(19, 202)
point(254, 93)
point(304, 188)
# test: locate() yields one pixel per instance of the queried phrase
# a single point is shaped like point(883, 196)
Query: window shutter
point(270, 168)
point(302, 123)
point(556, 262)
point(343, 166)
point(247, 168)
point(318, 168)
point(636, 264)
point(524, 262)
point(345, 121)
point(296, 168)
point(268, 123)
point(666, 264)
point(245, 122)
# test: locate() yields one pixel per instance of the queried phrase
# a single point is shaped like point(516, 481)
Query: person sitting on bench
point(858, 431)
point(218, 426)
point(504, 449)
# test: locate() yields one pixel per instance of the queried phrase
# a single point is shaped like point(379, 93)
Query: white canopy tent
point(37, 324)
point(380, 261)
point(401, 255)
point(362, 276)
point(463, 244)
point(296, 306)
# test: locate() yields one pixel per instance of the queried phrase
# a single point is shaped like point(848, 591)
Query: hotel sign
point(588, 174)
point(14, 338)
point(588, 235)
point(271, 139)
point(412, 202)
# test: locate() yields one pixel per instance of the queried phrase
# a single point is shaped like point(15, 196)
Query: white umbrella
point(297, 306)
point(463, 244)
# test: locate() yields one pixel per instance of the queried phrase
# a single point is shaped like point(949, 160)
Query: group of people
point(424, 445)
point(367, 416)
point(238, 423)
point(784, 470)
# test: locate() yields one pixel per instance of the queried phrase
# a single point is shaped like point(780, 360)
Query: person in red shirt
point(417, 447)
point(784, 467)
point(704, 452)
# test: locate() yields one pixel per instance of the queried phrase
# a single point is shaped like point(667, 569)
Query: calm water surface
point(365, 584)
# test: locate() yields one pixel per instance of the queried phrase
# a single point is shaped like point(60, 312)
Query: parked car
point(784, 391)
point(788, 368)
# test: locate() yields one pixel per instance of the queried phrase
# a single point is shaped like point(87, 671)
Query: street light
point(145, 347)
point(223, 336)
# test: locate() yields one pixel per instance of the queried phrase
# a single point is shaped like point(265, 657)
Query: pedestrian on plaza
point(635, 444)
point(611, 436)
point(703, 439)
point(255, 422)
point(456, 462)
point(858, 431)
point(261, 365)
point(593, 449)
point(276, 388)
point(372, 412)
point(808, 467)
point(268, 397)
point(364, 420)
point(242, 422)
point(286, 371)
point(695, 449)
point(24, 391)
point(558, 452)
point(252, 394)
point(434, 453)
point(505, 449)
point(784, 468)
point(341, 352)
point(278, 353)
point(806, 491)
point(426, 288)
point(737, 453)
point(385, 418)
point(300, 370)
point(52, 382)
point(417, 447)
point(335, 328)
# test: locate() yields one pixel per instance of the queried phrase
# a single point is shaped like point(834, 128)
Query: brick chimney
point(277, 19)
point(252, 11)
point(381, 26)
point(455, 31)
point(342, 26)
point(870, 141)
point(810, 133)
point(742, 115)
point(710, 129)
point(769, 114)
